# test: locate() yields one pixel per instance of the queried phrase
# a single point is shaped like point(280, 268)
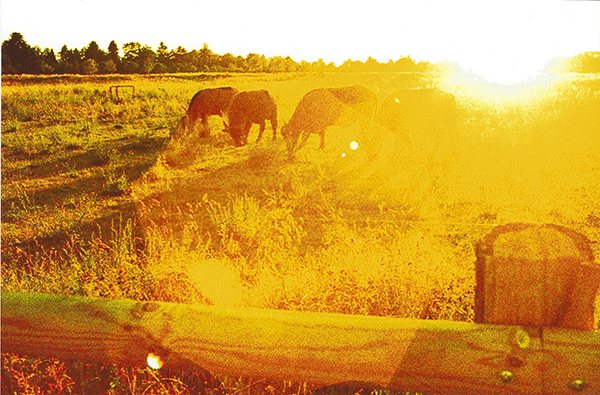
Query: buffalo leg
point(262, 129)
point(181, 129)
point(304, 138)
point(274, 127)
point(192, 121)
point(188, 123)
point(204, 127)
point(246, 131)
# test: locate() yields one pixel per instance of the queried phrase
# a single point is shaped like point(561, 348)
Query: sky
point(500, 40)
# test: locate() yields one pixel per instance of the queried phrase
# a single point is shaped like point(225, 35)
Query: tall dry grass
point(202, 221)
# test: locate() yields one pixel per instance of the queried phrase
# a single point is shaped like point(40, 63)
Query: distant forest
point(18, 57)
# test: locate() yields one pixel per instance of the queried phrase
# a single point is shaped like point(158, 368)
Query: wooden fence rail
point(417, 355)
point(441, 357)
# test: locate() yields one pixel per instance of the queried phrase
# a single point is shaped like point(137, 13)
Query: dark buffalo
point(207, 102)
point(414, 116)
point(247, 108)
point(325, 107)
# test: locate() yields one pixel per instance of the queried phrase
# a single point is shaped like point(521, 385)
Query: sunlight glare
point(484, 91)
point(217, 282)
point(510, 77)
point(154, 361)
point(507, 74)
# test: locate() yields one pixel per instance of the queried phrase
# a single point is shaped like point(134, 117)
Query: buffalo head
point(236, 134)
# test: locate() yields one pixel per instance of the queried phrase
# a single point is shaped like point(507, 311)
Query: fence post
point(536, 275)
point(116, 89)
point(536, 284)
point(543, 277)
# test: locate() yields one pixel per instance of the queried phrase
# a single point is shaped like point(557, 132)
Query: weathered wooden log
point(538, 275)
point(535, 284)
point(416, 355)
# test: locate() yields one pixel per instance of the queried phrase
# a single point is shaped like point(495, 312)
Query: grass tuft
point(101, 198)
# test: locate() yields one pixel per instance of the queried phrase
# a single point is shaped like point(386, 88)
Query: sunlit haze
point(498, 41)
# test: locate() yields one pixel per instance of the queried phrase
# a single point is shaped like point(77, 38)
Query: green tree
point(279, 64)
point(113, 55)
point(18, 57)
point(263, 63)
point(304, 66)
point(425, 66)
point(108, 67)
point(208, 61)
point(587, 62)
point(49, 64)
point(138, 58)
point(178, 58)
point(331, 67)
point(93, 51)
point(276, 64)
point(318, 65)
point(70, 61)
point(147, 59)
point(352, 65)
point(89, 66)
point(164, 59)
point(405, 64)
point(290, 64)
point(130, 60)
point(372, 64)
point(257, 63)
point(241, 64)
point(228, 62)
point(252, 62)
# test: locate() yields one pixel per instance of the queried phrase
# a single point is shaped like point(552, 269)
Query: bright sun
point(508, 74)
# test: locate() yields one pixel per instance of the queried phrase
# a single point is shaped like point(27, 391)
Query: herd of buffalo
point(429, 110)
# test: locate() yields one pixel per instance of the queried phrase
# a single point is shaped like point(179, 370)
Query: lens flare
point(218, 282)
point(154, 361)
point(354, 145)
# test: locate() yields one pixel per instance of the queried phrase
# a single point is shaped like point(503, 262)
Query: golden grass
point(189, 220)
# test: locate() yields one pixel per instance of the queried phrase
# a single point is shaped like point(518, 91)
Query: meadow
point(105, 198)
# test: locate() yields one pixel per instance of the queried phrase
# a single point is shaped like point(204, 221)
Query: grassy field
point(102, 198)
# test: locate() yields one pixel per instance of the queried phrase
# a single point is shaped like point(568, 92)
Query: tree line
point(586, 62)
point(18, 57)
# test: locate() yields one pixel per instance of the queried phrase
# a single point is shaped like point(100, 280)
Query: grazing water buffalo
point(324, 107)
point(425, 117)
point(207, 102)
point(247, 108)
